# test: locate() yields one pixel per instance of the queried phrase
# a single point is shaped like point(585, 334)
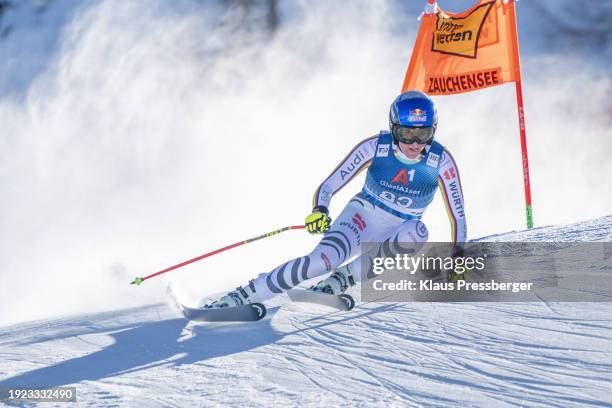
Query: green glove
point(318, 222)
point(458, 272)
point(454, 276)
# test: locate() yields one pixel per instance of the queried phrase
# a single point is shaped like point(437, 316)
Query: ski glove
point(459, 271)
point(318, 222)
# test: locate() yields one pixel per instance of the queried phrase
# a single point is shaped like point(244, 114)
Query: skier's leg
point(338, 245)
point(407, 237)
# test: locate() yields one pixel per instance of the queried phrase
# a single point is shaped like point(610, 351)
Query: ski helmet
point(413, 118)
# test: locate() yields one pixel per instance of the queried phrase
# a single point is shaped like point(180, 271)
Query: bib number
point(401, 201)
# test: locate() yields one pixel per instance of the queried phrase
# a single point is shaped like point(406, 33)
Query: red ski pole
point(139, 280)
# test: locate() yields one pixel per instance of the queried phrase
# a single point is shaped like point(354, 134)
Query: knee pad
point(413, 231)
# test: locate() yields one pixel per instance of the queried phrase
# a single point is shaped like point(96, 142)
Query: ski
point(246, 313)
point(341, 302)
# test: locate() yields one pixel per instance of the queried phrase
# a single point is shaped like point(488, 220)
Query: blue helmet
point(413, 118)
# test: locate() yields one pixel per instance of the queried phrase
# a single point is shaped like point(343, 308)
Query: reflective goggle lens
point(410, 135)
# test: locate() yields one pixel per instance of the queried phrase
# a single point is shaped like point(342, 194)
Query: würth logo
point(359, 222)
point(450, 174)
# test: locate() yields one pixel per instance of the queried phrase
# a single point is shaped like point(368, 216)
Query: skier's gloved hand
point(459, 271)
point(457, 251)
point(318, 222)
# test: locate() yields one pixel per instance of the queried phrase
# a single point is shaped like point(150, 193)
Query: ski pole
point(139, 280)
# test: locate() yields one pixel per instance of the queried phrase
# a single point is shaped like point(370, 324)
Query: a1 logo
point(403, 177)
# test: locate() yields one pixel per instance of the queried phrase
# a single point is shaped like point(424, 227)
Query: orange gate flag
point(463, 52)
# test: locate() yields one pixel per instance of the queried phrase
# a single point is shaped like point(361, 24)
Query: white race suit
point(388, 209)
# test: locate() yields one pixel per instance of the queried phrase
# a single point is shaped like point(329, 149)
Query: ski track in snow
point(391, 354)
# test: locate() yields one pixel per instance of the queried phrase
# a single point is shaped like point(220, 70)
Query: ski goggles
point(409, 135)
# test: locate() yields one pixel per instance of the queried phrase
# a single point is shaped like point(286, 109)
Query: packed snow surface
point(416, 354)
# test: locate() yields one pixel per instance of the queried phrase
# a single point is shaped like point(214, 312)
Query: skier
point(405, 167)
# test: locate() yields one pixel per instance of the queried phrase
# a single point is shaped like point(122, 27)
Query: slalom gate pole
point(521, 118)
point(525, 157)
point(139, 280)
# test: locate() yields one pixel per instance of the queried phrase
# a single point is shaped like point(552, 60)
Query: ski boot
point(239, 297)
point(337, 283)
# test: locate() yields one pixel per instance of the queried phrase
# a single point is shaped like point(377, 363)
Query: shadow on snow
point(150, 344)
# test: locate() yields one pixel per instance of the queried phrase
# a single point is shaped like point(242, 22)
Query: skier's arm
point(452, 194)
point(355, 162)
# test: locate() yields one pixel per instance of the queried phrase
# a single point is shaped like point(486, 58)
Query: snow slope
point(415, 354)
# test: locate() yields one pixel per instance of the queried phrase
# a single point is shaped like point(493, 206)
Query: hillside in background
point(30, 29)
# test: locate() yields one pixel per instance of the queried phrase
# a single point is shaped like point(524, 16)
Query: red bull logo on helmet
point(417, 115)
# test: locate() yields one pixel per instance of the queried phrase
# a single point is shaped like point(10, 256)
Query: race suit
point(394, 197)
